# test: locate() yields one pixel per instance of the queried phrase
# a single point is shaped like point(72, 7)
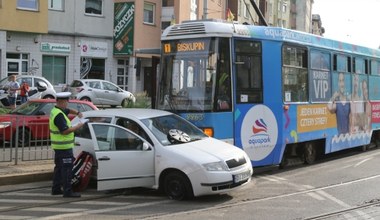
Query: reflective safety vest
point(60, 141)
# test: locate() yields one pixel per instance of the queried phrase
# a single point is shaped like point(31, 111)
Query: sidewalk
point(26, 172)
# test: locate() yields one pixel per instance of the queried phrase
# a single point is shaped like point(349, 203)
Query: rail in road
point(36, 202)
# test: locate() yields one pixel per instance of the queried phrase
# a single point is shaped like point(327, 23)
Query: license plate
point(241, 177)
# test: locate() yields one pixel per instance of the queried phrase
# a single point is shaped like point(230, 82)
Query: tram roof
point(212, 28)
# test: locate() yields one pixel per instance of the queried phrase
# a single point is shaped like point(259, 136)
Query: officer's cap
point(63, 95)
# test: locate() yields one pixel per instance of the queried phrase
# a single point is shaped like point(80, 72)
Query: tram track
point(297, 191)
point(343, 211)
point(301, 192)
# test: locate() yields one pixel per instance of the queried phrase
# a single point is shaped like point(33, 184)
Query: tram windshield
point(195, 75)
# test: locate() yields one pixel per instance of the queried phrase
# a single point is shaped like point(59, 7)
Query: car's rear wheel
point(177, 186)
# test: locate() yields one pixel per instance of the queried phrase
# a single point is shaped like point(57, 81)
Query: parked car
point(34, 82)
point(100, 92)
point(157, 149)
point(31, 120)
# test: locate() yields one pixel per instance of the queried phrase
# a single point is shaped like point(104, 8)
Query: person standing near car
point(24, 89)
point(12, 91)
point(62, 142)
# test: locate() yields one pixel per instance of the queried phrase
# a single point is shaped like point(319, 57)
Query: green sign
point(123, 28)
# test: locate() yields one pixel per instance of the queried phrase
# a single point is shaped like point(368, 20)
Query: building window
point(27, 4)
point(167, 3)
point(94, 7)
point(54, 69)
point(149, 13)
point(56, 5)
point(245, 10)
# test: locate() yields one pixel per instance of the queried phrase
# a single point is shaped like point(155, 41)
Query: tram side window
point(294, 74)
point(359, 65)
point(249, 87)
point(342, 63)
point(320, 76)
point(375, 67)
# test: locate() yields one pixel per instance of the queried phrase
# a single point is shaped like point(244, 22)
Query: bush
point(4, 110)
point(142, 101)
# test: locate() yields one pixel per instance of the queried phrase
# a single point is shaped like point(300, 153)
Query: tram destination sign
point(186, 46)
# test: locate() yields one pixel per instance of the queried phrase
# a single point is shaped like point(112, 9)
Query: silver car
point(33, 82)
point(100, 92)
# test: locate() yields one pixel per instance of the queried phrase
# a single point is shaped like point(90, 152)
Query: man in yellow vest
point(62, 142)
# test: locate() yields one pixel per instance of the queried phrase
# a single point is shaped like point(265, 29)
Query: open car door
point(124, 160)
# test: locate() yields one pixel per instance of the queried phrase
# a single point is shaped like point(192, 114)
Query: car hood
point(207, 150)
point(10, 117)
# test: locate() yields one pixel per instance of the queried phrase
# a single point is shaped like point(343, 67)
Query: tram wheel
point(310, 153)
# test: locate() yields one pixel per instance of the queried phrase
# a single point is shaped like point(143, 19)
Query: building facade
point(118, 40)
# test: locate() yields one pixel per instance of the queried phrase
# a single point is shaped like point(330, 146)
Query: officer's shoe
point(72, 194)
point(56, 192)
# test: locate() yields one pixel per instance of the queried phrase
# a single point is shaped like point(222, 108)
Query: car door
point(110, 94)
point(94, 91)
point(121, 160)
point(39, 121)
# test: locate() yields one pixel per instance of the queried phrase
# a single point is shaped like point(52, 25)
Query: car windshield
point(26, 109)
point(4, 82)
point(160, 127)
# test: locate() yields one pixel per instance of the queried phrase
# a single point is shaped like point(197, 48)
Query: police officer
point(62, 142)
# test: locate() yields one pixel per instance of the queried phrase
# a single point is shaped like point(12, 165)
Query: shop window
point(97, 69)
point(54, 69)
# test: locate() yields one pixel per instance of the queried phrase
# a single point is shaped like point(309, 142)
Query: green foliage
point(4, 110)
point(142, 101)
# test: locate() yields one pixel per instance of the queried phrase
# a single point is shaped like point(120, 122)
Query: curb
point(25, 178)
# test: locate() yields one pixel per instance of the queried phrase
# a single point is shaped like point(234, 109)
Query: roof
point(139, 113)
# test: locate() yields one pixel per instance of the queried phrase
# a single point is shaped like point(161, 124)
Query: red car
point(31, 120)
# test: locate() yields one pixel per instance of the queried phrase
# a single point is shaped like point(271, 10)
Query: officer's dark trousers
point(63, 160)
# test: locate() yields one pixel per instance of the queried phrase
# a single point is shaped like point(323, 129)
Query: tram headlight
point(215, 166)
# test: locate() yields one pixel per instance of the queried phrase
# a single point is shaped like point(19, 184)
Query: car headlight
point(4, 125)
point(215, 166)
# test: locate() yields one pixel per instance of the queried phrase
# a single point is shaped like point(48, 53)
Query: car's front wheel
point(23, 138)
point(177, 186)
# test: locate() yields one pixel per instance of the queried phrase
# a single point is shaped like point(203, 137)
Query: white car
point(100, 92)
point(158, 149)
point(33, 82)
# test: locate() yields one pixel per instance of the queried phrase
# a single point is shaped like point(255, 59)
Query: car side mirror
point(146, 147)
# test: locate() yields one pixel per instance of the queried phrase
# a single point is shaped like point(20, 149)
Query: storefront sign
point(123, 28)
point(53, 47)
point(93, 49)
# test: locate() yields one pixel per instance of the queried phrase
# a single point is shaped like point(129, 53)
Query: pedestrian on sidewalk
point(62, 142)
point(12, 93)
point(24, 89)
